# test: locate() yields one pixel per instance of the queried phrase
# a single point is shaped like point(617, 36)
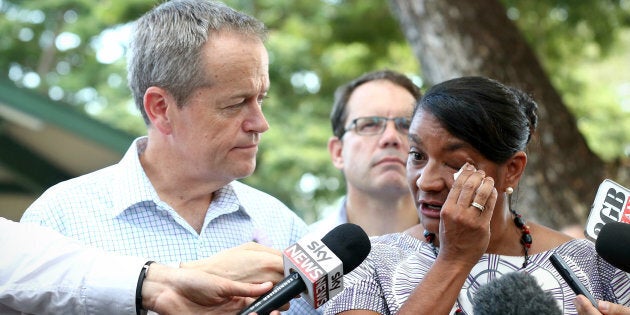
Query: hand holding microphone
point(249, 262)
point(314, 268)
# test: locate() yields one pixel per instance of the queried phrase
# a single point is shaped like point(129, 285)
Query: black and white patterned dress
point(397, 263)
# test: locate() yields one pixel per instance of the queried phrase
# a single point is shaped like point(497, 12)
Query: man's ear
point(515, 168)
point(335, 147)
point(156, 103)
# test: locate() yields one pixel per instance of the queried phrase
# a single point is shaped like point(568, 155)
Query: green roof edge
point(64, 116)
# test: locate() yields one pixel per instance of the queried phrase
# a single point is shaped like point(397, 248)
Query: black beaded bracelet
point(143, 275)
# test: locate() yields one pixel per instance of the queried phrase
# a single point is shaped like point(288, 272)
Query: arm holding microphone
point(168, 290)
point(315, 268)
point(250, 262)
point(43, 272)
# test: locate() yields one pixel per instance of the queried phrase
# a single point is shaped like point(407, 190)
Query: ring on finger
point(478, 206)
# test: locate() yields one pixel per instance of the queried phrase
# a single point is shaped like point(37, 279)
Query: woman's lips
point(430, 210)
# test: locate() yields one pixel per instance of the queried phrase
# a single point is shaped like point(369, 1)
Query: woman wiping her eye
point(474, 229)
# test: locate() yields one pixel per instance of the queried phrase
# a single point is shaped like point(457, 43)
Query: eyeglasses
point(375, 125)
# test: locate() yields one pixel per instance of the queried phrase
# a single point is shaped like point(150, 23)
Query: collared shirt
point(330, 221)
point(42, 272)
point(398, 262)
point(118, 209)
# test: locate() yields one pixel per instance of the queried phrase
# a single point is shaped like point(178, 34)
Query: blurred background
point(65, 108)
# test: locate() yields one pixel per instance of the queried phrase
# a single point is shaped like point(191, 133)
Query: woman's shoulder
point(404, 240)
point(397, 244)
point(577, 247)
point(392, 253)
point(545, 239)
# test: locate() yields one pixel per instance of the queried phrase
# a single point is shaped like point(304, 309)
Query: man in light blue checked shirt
point(198, 72)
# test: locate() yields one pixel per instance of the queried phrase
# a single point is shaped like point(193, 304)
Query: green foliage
point(72, 73)
point(583, 45)
point(314, 47)
point(324, 42)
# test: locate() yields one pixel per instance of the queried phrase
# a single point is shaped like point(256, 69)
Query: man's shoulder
point(324, 225)
point(261, 204)
point(92, 180)
point(332, 218)
point(249, 196)
point(71, 197)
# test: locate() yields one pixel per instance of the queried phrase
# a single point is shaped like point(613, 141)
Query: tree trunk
point(454, 38)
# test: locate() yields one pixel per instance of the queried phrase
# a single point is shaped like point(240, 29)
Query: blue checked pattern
point(116, 208)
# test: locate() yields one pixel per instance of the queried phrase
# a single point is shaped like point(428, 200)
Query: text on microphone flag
point(319, 266)
point(611, 204)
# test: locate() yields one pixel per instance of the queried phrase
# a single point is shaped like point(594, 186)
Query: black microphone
point(612, 244)
point(314, 268)
point(515, 293)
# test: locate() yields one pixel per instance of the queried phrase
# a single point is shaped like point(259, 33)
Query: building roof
point(44, 142)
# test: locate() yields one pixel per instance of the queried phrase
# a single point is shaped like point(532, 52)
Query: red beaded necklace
point(526, 237)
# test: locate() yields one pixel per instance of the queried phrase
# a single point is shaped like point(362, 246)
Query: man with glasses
point(370, 121)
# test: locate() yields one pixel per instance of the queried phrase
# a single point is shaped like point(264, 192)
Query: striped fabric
point(398, 262)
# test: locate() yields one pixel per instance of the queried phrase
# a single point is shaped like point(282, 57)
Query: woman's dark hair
point(495, 119)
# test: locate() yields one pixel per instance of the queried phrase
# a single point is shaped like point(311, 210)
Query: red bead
point(428, 236)
point(526, 237)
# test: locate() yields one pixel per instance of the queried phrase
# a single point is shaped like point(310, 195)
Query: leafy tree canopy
point(73, 50)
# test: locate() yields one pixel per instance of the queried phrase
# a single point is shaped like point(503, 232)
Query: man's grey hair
point(166, 43)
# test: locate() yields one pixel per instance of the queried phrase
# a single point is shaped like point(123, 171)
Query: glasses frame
point(397, 122)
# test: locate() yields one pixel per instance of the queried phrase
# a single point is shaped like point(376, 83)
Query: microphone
point(514, 293)
point(612, 244)
point(314, 268)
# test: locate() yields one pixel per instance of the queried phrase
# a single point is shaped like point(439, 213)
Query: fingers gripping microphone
point(508, 294)
point(612, 244)
point(314, 268)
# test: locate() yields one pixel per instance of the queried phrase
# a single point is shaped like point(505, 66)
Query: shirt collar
point(133, 186)
point(225, 200)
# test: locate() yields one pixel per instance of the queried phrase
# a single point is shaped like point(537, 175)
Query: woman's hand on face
point(465, 216)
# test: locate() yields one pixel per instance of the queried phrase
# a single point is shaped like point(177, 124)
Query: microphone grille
point(516, 293)
point(350, 243)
